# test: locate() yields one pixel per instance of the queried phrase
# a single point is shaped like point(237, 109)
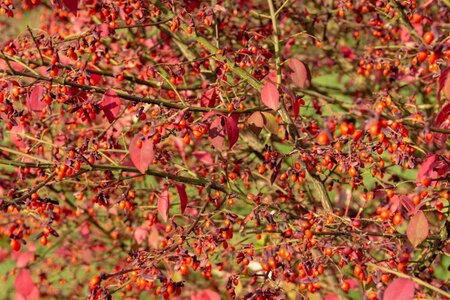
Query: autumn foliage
point(225, 149)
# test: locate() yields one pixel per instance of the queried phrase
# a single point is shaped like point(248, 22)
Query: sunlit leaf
point(417, 230)
point(270, 95)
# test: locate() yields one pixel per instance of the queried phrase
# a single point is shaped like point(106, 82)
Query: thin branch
point(415, 279)
point(36, 43)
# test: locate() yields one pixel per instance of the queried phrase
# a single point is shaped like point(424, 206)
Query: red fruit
point(15, 244)
point(428, 37)
point(345, 286)
point(323, 138)
point(422, 56)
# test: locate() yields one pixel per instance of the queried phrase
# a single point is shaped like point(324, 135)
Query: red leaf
point(72, 5)
point(432, 167)
point(163, 204)
point(270, 95)
point(181, 189)
point(442, 121)
point(217, 133)
point(111, 105)
point(204, 157)
point(296, 104)
point(444, 84)
point(35, 99)
point(399, 289)
point(232, 130)
point(417, 230)
point(426, 169)
point(300, 73)
point(141, 157)
point(256, 122)
point(209, 98)
point(24, 283)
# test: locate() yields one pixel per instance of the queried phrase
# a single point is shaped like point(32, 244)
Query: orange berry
point(323, 138)
point(345, 286)
point(422, 56)
point(428, 37)
point(15, 244)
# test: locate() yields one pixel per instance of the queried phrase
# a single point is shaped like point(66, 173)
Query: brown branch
point(160, 174)
point(134, 98)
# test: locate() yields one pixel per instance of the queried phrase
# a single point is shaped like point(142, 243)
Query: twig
point(36, 43)
point(415, 279)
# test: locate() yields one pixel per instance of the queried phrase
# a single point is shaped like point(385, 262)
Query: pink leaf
point(153, 237)
point(300, 73)
point(141, 152)
point(181, 189)
point(417, 230)
point(399, 289)
point(24, 283)
point(16, 136)
point(111, 105)
point(217, 133)
point(72, 5)
point(232, 131)
point(270, 95)
point(256, 119)
point(206, 295)
point(163, 204)
point(24, 258)
point(331, 297)
point(204, 157)
point(140, 234)
point(35, 99)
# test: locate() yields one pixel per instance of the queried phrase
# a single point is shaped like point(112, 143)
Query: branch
point(415, 279)
point(160, 174)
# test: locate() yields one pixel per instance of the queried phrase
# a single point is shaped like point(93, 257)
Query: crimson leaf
point(181, 189)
